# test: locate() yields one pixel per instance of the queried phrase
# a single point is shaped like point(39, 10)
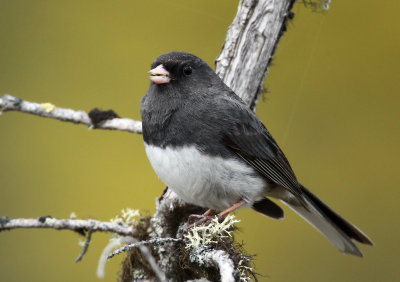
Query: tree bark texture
point(250, 44)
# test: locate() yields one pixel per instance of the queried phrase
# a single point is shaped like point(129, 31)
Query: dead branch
point(85, 246)
point(155, 241)
point(249, 46)
point(11, 103)
point(77, 225)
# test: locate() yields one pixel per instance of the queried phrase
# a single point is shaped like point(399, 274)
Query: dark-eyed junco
point(208, 146)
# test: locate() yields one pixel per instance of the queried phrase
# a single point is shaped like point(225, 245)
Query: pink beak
point(159, 75)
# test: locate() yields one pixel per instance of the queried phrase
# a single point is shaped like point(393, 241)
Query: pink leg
point(232, 208)
point(207, 216)
point(209, 212)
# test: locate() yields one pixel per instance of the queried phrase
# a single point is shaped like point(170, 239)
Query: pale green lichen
point(47, 107)
point(127, 216)
point(205, 235)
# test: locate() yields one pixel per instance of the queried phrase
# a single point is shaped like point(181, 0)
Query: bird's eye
point(187, 70)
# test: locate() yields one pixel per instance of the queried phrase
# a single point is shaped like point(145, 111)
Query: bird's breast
point(205, 180)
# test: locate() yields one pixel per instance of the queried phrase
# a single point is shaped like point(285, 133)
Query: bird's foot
point(207, 217)
point(199, 219)
point(204, 220)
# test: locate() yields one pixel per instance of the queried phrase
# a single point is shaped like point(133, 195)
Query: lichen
point(128, 216)
point(72, 215)
point(49, 220)
point(205, 235)
point(47, 107)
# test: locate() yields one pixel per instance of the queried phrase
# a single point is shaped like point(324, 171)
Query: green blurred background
point(332, 105)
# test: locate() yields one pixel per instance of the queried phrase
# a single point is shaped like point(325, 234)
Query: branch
point(77, 225)
point(155, 241)
point(11, 103)
point(85, 246)
point(243, 64)
point(221, 260)
point(250, 44)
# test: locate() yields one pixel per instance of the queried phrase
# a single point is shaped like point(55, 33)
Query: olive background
point(332, 105)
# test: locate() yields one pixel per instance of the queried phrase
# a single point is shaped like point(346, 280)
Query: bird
point(212, 150)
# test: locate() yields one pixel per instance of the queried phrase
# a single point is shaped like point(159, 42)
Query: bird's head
point(181, 70)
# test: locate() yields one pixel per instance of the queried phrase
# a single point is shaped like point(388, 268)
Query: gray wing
point(252, 142)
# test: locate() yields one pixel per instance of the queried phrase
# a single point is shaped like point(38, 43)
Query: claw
point(207, 217)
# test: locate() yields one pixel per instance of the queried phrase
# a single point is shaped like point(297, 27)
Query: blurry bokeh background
point(332, 104)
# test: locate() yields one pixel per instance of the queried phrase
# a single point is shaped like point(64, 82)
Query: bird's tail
point(339, 231)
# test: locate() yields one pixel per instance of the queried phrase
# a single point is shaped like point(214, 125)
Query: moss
point(179, 260)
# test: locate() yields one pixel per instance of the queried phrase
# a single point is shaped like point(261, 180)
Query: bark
point(250, 44)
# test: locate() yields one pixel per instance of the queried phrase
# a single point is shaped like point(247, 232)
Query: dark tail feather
point(339, 231)
point(268, 208)
point(346, 227)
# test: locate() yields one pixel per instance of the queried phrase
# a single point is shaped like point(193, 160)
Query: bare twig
point(155, 241)
point(11, 103)
point(85, 246)
point(69, 224)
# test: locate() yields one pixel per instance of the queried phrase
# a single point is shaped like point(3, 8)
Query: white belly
point(207, 181)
